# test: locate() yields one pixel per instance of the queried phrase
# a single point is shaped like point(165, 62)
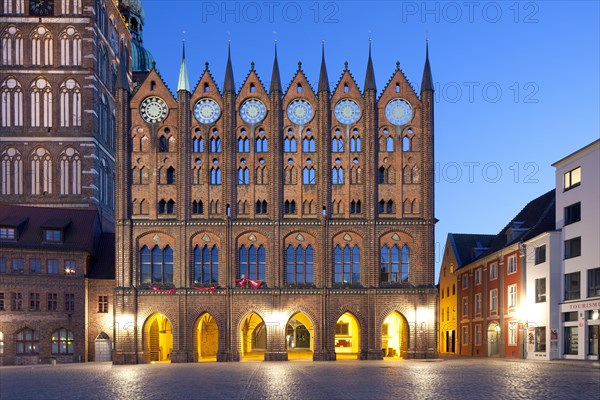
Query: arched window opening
point(156, 265)
point(206, 264)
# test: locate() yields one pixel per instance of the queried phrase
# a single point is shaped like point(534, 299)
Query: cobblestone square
point(440, 379)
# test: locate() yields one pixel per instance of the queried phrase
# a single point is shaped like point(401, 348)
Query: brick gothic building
point(257, 223)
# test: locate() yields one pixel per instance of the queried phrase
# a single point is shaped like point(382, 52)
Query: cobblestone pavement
point(440, 379)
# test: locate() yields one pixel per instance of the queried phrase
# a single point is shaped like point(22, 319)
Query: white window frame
point(478, 335)
point(493, 271)
point(511, 265)
point(513, 331)
point(478, 276)
point(494, 301)
point(465, 335)
point(478, 304)
point(512, 295)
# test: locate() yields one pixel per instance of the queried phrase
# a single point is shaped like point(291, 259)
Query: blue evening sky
point(517, 83)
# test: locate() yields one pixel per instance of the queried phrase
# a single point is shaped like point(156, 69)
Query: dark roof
point(103, 265)
point(427, 82)
point(370, 75)
point(13, 221)
point(323, 79)
point(275, 79)
point(535, 218)
point(81, 227)
point(229, 84)
point(468, 246)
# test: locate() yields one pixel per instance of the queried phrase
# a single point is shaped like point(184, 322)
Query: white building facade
point(543, 295)
point(578, 219)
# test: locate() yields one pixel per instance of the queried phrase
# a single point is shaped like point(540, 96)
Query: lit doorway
point(450, 341)
point(394, 336)
point(254, 337)
point(207, 338)
point(158, 338)
point(299, 334)
point(493, 335)
point(347, 337)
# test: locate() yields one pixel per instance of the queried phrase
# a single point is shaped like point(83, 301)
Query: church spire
point(323, 79)
point(275, 79)
point(229, 85)
point(370, 75)
point(427, 82)
point(184, 81)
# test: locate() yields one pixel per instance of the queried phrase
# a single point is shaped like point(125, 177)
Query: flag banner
point(254, 283)
point(205, 289)
point(157, 289)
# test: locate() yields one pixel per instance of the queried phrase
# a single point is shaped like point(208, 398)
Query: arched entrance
point(253, 332)
point(207, 338)
point(102, 348)
point(493, 334)
point(394, 336)
point(158, 338)
point(347, 337)
point(299, 335)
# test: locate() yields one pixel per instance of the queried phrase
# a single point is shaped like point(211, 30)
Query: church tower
point(57, 119)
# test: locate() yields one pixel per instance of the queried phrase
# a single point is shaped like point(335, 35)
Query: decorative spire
point(427, 82)
point(229, 85)
point(275, 78)
point(370, 76)
point(184, 81)
point(323, 79)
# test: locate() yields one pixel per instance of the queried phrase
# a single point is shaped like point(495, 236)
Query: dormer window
point(8, 233)
point(51, 235)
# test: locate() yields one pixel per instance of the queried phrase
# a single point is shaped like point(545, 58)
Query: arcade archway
point(253, 333)
point(347, 337)
point(158, 338)
point(207, 338)
point(299, 337)
point(394, 336)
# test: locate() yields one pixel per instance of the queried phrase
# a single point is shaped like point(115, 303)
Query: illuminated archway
point(394, 336)
point(493, 336)
point(253, 333)
point(207, 338)
point(158, 338)
point(299, 337)
point(347, 337)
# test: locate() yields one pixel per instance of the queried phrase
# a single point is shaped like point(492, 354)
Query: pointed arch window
point(252, 262)
point(243, 145)
point(405, 263)
point(346, 264)
point(308, 176)
point(243, 176)
point(355, 144)
point(71, 6)
point(215, 145)
point(12, 102)
point(41, 103)
point(197, 207)
point(308, 145)
point(389, 264)
point(289, 145)
point(41, 172)
point(70, 172)
point(197, 145)
point(262, 145)
point(12, 171)
point(206, 264)
point(215, 176)
point(70, 103)
point(337, 145)
point(261, 207)
point(70, 47)
point(337, 176)
point(355, 207)
point(289, 207)
point(299, 264)
point(41, 47)
point(156, 265)
point(406, 144)
point(12, 46)
point(389, 144)
point(170, 176)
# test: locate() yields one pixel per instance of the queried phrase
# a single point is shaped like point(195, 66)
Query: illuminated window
point(512, 296)
point(572, 178)
point(62, 341)
point(7, 234)
point(28, 342)
point(103, 304)
point(70, 267)
point(53, 235)
point(512, 333)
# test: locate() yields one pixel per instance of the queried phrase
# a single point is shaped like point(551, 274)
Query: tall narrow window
point(12, 102)
point(346, 263)
point(70, 47)
point(389, 264)
point(70, 172)
point(12, 46)
point(41, 103)
point(308, 176)
point(42, 47)
point(206, 264)
point(41, 172)
point(252, 262)
point(11, 170)
point(70, 104)
point(156, 265)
